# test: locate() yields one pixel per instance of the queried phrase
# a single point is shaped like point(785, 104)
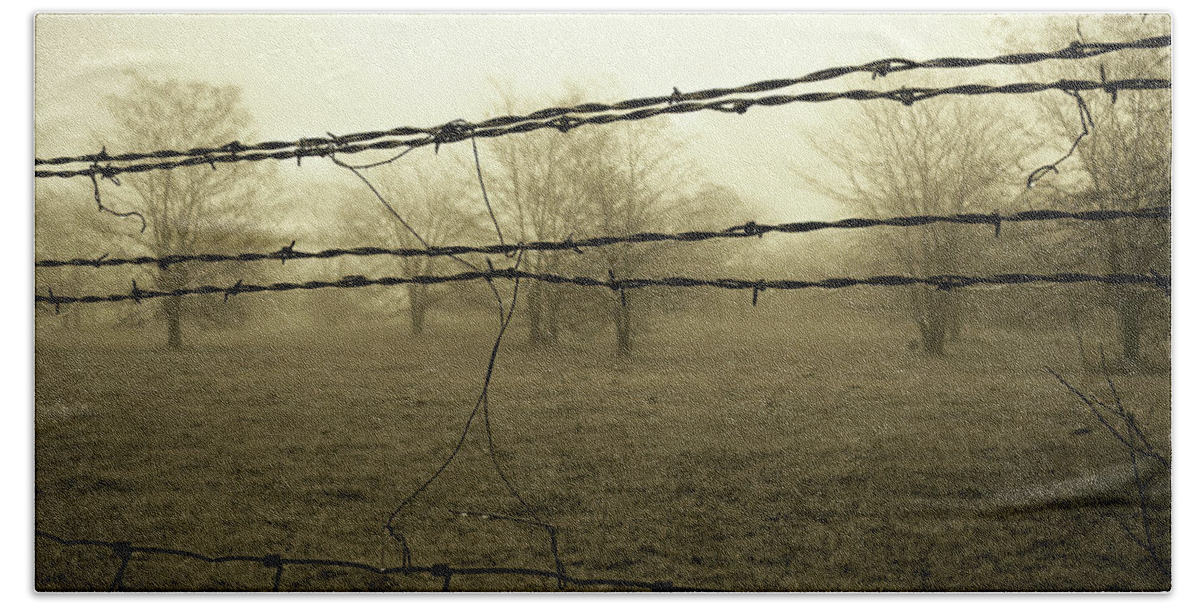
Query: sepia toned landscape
point(790, 302)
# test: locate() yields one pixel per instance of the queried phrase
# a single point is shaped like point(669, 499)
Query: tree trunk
point(417, 307)
point(624, 329)
point(536, 337)
point(934, 315)
point(174, 325)
point(551, 318)
point(1127, 302)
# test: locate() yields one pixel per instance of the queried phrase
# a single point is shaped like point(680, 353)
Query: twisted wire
point(881, 67)
point(741, 231)
point(564, 123)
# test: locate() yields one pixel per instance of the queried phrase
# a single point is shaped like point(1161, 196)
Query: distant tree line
point(940, 156)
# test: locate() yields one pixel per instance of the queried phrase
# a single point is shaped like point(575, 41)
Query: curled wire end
point(109, 173)
point(1039, 173)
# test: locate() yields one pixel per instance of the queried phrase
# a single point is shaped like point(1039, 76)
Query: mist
point(425, 295)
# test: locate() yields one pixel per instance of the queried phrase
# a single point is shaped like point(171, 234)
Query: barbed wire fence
point(105, 167)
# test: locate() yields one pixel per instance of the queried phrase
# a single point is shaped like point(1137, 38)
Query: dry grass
point(755, 456)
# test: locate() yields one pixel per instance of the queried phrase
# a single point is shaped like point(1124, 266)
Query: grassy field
point(760, 454)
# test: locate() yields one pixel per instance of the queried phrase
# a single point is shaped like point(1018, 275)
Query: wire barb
point(642, 107)
point(125, 551)
point(1112, 91)
point(233, 291)
point(275, 561)
point(555, 118)
point(286, 252)
point(455, 130)
point(944, 282)
point(54, 300)
point(565, 119)
point(571, 244)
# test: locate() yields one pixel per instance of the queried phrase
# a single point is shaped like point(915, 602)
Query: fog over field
point(557, 302)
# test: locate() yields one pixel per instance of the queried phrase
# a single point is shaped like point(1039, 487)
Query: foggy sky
point(305, 75)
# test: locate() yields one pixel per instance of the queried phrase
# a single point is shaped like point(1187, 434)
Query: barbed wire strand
point(945, 282)
point(882, 67)
point(459, 130)
point(277, 562)
point(741, 231)
point(905, 95)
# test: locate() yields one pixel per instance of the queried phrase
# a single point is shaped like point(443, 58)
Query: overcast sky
point(305, 75)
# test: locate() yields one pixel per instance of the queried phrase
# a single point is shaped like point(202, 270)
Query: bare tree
point(190, 209)
point(529, 178)
point(1124, 162)
point(937, 157)
point(629, 180)
point(614, 179)
point(436, 207)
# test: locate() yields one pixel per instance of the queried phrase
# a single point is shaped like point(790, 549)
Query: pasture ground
point(751, 455)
